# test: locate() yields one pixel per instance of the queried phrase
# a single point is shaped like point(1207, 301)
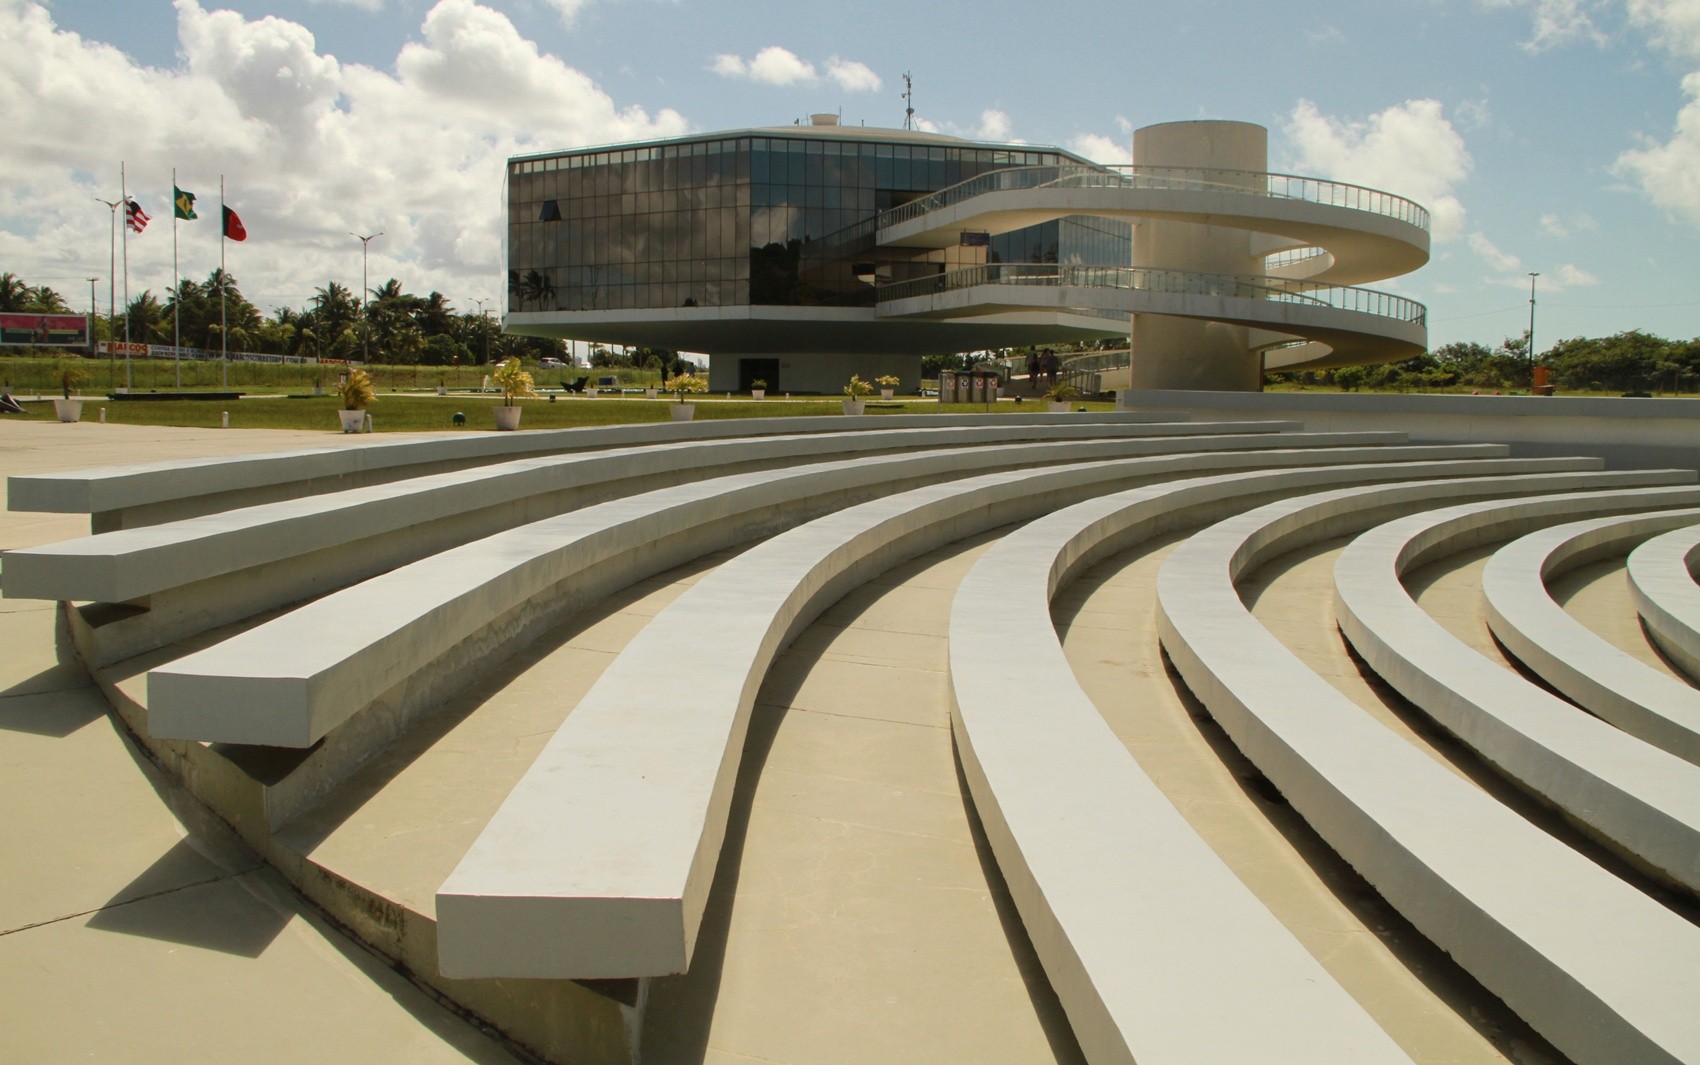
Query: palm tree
point(148, 322)
point(13, 292)
point(335, 310)
point(44, 300)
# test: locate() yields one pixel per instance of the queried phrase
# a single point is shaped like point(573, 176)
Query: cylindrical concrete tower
point(1179, 352)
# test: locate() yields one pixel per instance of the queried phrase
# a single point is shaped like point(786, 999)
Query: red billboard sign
point(45, 330)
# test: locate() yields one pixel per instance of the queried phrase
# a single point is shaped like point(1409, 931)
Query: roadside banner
point(45, 330)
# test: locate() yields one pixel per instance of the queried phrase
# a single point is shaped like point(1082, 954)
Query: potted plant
point(70, 376)
point(442, 384)
point(855, 395)
point(357, 394)
point(650, 388)
point(1059, 395)
point(681, 385)
point(758, 389)
point(516, 385)
point(888, 385)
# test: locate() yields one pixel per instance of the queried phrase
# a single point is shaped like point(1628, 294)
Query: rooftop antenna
point(908, 101)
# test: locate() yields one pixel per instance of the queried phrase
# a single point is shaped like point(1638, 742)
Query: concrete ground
point(857, 917)
point(133, 926)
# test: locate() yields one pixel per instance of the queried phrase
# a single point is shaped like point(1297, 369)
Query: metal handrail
point(1195, 179)
point(1179, 282)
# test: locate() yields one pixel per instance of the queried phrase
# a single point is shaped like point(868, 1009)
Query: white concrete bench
point(123, 497)
point(1640, 800)
point(1587, 668)
point(187, 576)
point(1661, 581)
point(1599, 968)
point(599, 862)
point(177, 714)
point(1147, 937)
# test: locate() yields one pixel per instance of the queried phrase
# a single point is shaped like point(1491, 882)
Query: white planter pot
point(649, 393)
point(1059, 406)
point(442, 390)
point(352, 420)
point(506, 417)
point(885, 393)
point(758, 393)
point(69, 410)
point(682, 412)
point(855, 406)
point(591, 392)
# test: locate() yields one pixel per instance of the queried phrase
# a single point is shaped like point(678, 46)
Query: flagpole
point(111, 288)
point(124, 193)
point(176, 292)
point(223, 284)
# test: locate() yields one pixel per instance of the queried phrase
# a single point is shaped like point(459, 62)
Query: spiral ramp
point(1234, 270)
point(1024, 738)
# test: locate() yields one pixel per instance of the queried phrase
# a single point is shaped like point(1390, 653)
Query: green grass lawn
point(400, 412)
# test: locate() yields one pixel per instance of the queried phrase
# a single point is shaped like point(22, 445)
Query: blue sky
point(1559, 136)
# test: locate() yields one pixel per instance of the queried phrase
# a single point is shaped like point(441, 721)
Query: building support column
point(1184, 353)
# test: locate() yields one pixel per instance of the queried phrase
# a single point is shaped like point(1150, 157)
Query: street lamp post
point(365, 322)
point(112, 291)
point(484, 327)
point(94, 312)
point(1531, 353)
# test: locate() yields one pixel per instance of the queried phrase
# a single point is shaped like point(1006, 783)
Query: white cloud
point(1497, 260)
point(367, 5)
point(852, 76)
point(569, 9)
point(1669, 173)
point(1328, 36)
point(1474, 114)
point(1409, 149)
point(309, 147)
point(1572, 276)
point(1101, 149)
point(774, 65)
point(1554, 23)
point(994, 126)
point(1554, 225)
point(1673, 25)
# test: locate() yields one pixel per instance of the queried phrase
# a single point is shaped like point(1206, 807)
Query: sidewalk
point(133, 926)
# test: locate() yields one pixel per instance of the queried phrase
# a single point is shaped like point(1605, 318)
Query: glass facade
point(742, 219)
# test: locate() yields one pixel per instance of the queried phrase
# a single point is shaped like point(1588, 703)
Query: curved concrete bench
point(187, 576)
point(403, 595)
point(1661, 581)
point(123, 497)
point(600, 861)
point(1147, 936)
point(1598, 967)
point(1607, 682)
point(1638, 799)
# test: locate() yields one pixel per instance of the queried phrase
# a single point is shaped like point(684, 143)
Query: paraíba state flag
point(134, 216)
point(233, 226)
point(182, 203)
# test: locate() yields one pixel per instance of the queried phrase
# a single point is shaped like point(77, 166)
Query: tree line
point(1631, 361)
point(397, 327)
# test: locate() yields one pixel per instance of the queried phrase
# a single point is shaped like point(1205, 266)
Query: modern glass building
point(756, 246)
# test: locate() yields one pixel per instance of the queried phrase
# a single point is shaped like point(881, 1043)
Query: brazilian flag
point(182, 203)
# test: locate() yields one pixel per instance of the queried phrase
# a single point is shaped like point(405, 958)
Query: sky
point(1555, 136)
